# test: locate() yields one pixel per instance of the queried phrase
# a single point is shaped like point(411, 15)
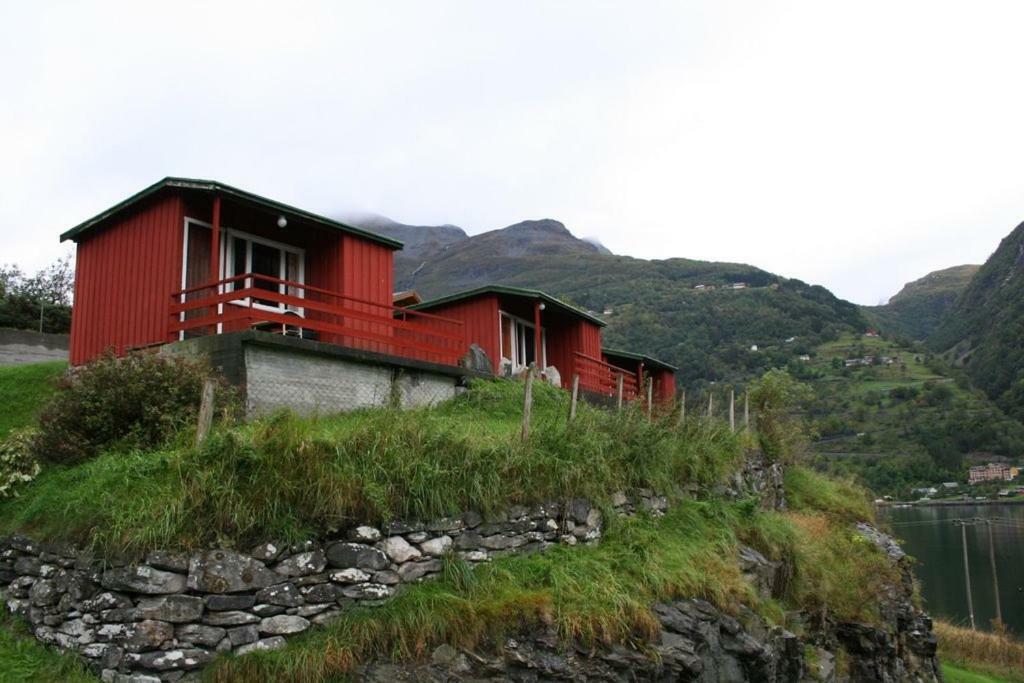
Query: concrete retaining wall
point(18, 347)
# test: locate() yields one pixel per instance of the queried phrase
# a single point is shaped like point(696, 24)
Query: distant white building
point(804, 357)
point(739, 285)
point(753, 347)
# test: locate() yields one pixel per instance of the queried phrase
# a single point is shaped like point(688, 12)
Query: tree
point(46, 296)
point(780, 430)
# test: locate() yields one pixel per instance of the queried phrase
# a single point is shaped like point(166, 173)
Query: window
point(518, 342)
point(245, 253)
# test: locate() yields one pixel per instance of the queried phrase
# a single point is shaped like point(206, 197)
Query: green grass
point(22, 659)
point(23, 390)
point(807, 490)
point(955, 674)
point(995, 656)
point(288, 478)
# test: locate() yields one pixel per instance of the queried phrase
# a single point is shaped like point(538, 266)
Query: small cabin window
point(518, 347)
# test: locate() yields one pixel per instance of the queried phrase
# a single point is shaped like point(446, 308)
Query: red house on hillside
point(188, 257)
point(505, 321)
point(663, 375)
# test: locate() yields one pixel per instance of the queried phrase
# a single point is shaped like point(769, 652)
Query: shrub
point(138, 401)
point(775, 398)
point(17, 464)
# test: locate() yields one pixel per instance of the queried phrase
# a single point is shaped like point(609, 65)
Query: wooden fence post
point(711, 404)
point(732, 410)
point(682, 408)
point(650, 398)
point(575, 396)
point(618, 393)
point(527, 402)
point(205, 412)
point(746, 410)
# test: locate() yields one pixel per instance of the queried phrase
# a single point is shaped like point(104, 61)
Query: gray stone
point(44, 592)
point(350, 575)
point(243, 635)
point(267, 552)
point(398, 550)
point(311, 610)
point(343, 555)
point(172, 562)
point(412, 571)
point(324, 592)
point(143, 579)
point(437, 547)
point(105, 601)
point(284, 594)
point(364, 534)
point(223, 603)
point(274, 643)
point(303, 564)
point(107, 656)
point(171, 660)
point(198, 634)
point(268, 610)
point(229, 618)
point(177, 609)
point(283, 624)
point(137, 637)
point(225, 571)
point(445, 524)
point(366, 591)
point(28, 566)
point(476, 360)
point(387, 577)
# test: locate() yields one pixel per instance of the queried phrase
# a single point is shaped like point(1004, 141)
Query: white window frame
point(227, 257)
point(517, 341)
point(222, 267)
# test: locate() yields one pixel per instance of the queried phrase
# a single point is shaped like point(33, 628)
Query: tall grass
point(998, 654)
point(22, 659)
point(287, 477)
point(839, 498)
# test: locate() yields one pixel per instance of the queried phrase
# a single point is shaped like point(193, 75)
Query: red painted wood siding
point(480, 320)
point(124, 276)
point(566, 337)
point(664, 386)
point(367, 273)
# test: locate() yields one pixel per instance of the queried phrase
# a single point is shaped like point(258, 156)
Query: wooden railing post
point(205, 412)
point(527, 402)
point(618, 393)
point(682, 409)
point(575, 396)
point(650, 398)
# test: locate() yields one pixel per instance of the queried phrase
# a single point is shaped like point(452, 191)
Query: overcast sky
point(856, 145)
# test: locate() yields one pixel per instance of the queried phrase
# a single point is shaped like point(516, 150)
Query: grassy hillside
point(917, 310)
point(984, 331)
point(23, 389)
point(900, 425)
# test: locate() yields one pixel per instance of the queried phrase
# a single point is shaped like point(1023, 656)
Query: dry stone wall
point(166, 617)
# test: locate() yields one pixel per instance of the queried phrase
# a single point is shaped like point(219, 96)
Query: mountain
point(984, 330)
point(683, 311)
point(917, 309)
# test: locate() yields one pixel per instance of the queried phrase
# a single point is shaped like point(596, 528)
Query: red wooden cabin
point(190, 257)
point(505, 321)
point(663, 375)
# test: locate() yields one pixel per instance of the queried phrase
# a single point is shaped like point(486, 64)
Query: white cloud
point(852, 145)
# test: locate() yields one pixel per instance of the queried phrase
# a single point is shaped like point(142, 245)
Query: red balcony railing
point(599, 377)
point(262, 302)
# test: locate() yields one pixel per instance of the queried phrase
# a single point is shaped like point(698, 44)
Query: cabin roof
point(506, 290)
point(216, 187)
point(648, 360)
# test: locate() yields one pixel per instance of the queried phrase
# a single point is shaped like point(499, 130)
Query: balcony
point(261, 302)
point(598, 377)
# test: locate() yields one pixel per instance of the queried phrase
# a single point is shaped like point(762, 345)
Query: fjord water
point(930, 534)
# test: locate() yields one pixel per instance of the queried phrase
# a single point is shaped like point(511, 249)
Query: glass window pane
point(237, 263)
point(266, 261)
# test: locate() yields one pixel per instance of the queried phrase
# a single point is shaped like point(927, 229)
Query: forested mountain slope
point(916, 311)
point(984, 331)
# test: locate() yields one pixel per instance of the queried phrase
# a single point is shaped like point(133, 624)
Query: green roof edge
point(639, 356)
point(507, 289)
point(215, 187)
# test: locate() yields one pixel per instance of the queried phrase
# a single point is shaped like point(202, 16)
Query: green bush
point(138, 401)
point(17, 464)
point(780, 431)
